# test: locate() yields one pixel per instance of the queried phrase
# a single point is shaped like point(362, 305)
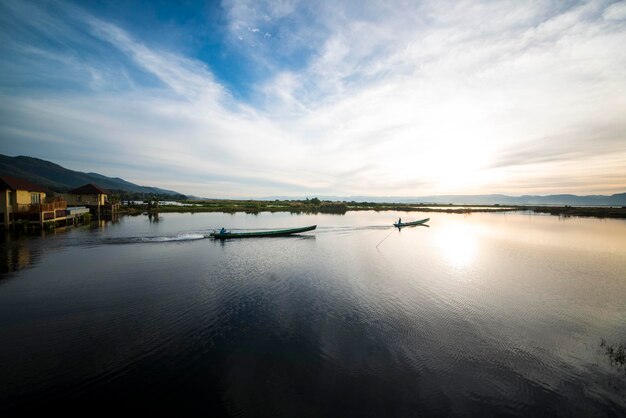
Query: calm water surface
point(477, 315)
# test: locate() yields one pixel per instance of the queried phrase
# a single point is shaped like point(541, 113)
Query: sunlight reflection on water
point(501, 312)
point(458, 244)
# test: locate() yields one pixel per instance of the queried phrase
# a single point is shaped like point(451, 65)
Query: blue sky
point(256, 98)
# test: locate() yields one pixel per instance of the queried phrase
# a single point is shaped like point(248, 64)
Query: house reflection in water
point(15, 255)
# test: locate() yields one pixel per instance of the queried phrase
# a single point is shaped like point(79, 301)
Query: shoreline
point(339, 208)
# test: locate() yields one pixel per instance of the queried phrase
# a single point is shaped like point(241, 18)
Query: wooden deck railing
point(43, 207)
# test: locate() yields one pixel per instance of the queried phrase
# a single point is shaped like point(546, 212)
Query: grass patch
point(315, 205)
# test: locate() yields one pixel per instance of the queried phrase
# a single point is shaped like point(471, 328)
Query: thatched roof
point(16, 183)
point(89, 189)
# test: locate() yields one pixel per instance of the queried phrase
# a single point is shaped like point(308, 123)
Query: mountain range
point(59, 179)
point(488, 199)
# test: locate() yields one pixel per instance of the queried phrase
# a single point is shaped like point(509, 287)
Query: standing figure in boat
point(399, 221)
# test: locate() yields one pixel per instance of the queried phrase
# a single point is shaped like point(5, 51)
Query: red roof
point(88, 189)
point(15, 183)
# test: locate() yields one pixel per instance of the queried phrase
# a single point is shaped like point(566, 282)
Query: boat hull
point(263, 234)
point(403, 224)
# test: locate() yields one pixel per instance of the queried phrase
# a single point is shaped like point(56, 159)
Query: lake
point(488, 314)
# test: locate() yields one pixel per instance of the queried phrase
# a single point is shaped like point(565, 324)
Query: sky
point(258, 98)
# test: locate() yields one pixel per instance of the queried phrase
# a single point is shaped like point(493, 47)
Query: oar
point(384, 239)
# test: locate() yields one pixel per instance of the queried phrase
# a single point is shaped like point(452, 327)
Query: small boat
point(403, 224)
point(262, 234)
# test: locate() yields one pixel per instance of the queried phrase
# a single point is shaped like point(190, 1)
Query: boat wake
point(348, 228)
point(180, 237)
point(157, 239)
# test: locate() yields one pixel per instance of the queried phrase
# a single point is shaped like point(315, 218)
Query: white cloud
point(404, 98)
point(186, 77)
point(616, 11)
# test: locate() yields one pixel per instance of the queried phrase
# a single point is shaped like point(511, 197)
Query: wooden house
point(93, 197)
point(21, 200)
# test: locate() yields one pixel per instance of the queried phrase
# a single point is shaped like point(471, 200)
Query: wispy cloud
point(187, 77)
point(405, 98)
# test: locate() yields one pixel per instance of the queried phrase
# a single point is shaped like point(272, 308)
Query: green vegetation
point(595, 212)
point(247, 206)
point(119, 196)
point(316, 205)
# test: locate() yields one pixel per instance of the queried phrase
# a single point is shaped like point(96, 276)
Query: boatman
point(399, 221)
point(222, 231)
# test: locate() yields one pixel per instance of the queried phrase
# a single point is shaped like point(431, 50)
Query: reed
point(319, 206)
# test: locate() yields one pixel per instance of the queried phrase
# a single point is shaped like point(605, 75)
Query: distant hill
point(491, 199)
point(60, 179)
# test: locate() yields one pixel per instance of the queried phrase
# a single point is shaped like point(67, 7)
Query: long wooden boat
point(262, 234)
point(403, 224)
